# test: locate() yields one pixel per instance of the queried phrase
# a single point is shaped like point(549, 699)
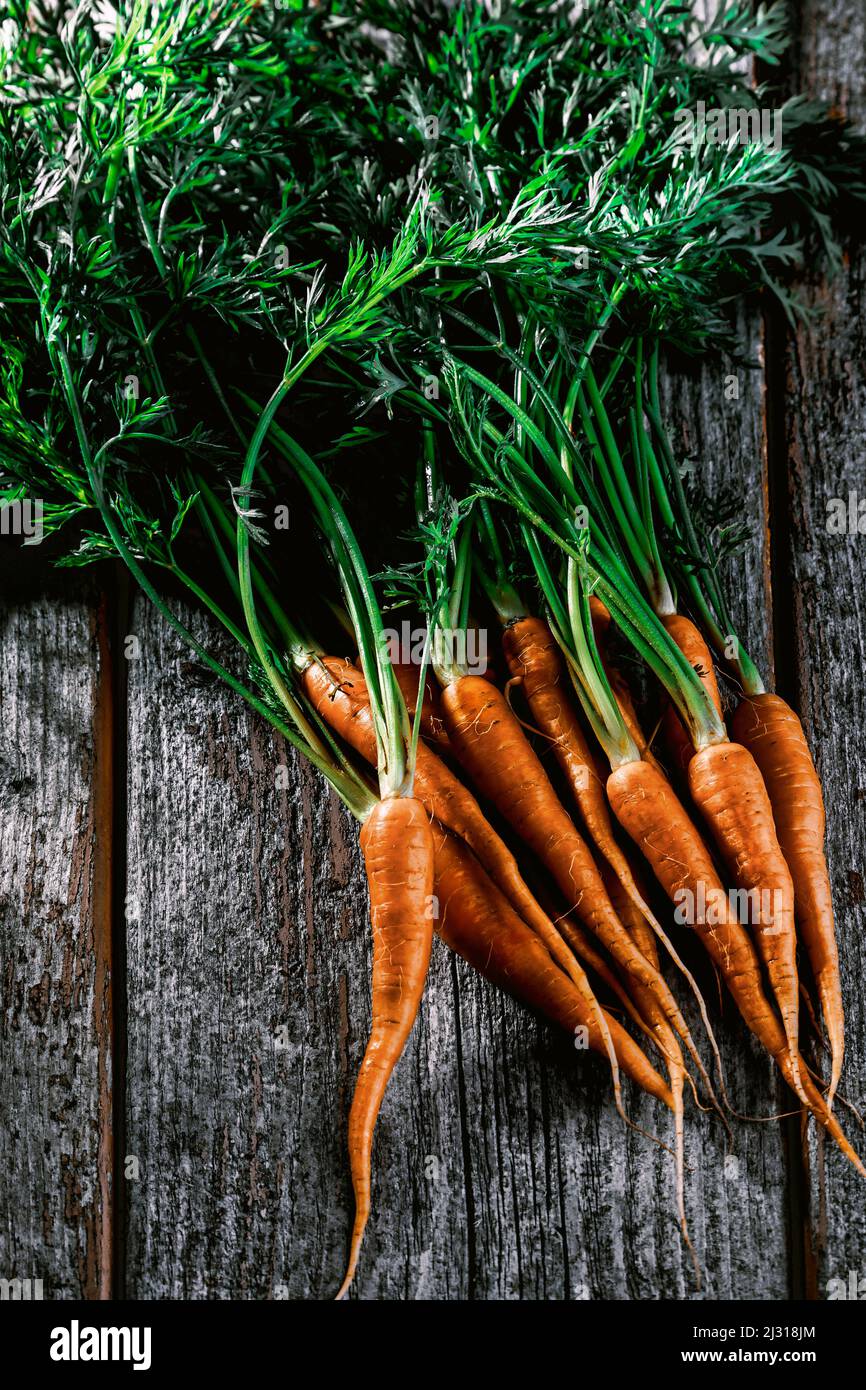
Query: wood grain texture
point(715, 412)
point(502, 1170)
point(55, 1021)
point(826, 427)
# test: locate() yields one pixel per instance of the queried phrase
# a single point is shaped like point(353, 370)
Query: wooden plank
point(826, 424)
point(715, 410)
point(55, 941)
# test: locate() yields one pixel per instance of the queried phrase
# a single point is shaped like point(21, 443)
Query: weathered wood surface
point(824, 444)
point(55, 999)
point(502, 1170)
point(243, 940)
point(716, 415)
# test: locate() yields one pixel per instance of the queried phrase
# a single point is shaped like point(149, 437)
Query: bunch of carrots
point(704, 812)
point(421, 252)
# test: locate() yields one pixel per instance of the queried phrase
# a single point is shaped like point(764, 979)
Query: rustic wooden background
point(185, 956)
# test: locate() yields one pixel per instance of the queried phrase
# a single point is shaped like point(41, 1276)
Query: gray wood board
point(501, 1168)
point(55, 1024)
point(826, 428)
point(715, 414)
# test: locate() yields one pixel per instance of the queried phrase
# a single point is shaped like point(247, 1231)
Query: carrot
point(432, 726)
point(477, 921)
point(727, 787)
point(635, 924)
point(490, 744)
point(647, 807)
point(339, 694)
point(535, 663)
point(693, 647)
point(534, 659)
point(769, 728)
point(479, 924)
point(600, 614)
point(586, 950)
point(601, 620)
point(397, 844)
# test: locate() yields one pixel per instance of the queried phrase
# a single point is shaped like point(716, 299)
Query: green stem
point(389, 711)
point(211, 604)
point(708, 597)
point(356, 797)
point(608, 723)
point(633, 614)
point(620, 487)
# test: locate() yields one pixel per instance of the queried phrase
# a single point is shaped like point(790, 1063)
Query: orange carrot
point(647, 807)
point(432, 726)
point(490, 744)
point(397, 843)
point(693, 647)
point(339, 694)
point(773, 734)
point(728, 789)
point(600, 616)
point(534, 659)
point(618, 684)
point(477, 921)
